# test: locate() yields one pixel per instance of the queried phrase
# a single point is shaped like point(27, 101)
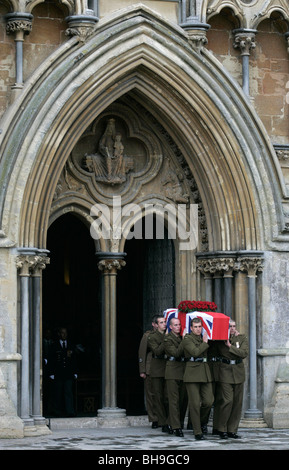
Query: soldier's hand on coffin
point(205, 337)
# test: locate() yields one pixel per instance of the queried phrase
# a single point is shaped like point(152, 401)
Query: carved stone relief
point(116, 157)
point(139, 163)
point(171, 183)
point(109, 165)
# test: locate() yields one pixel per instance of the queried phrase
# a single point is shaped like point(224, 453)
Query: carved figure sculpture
point(110, 165)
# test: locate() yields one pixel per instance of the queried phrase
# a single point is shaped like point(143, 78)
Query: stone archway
point(195, 112)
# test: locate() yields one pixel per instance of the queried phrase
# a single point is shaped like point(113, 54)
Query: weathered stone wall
point(168, 10)
point(269, 61)
point(269, 71)
point(273, 339)
point(48, 32)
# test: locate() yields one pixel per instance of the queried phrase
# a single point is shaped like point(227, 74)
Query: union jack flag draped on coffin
point(214, 323)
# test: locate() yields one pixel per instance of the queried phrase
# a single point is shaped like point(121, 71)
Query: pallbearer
point(197, 376)
point(231, 378)
point(177, 395)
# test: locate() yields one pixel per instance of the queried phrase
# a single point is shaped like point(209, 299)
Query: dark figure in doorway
point(47, 385)
point(63, 373)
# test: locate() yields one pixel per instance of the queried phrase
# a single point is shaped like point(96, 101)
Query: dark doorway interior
point(146, 286)
point(71, 298)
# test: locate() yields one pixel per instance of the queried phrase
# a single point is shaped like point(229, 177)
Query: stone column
point(29, 263)
point(228, 269)
point(93, 6)
point(19, 24)
point(252, 264)
point(204, 267)
point(245, 41)
point(24, 262)
point(109, 415)
point(241, 310)
point(39, 263)
point(224, 277)
point(218, 284)
point(194, 23)
point(208, 278)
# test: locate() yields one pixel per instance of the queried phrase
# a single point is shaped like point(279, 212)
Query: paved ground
point(150, 441)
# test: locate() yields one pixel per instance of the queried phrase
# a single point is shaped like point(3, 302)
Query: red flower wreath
point(187, 306)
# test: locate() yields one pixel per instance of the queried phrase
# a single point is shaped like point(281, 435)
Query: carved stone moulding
point(223, 262)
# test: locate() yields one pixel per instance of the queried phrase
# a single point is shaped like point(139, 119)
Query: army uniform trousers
point(201, 398)
point(229, 401)
point(150, 399)
point(160, 399)
point(177, 397)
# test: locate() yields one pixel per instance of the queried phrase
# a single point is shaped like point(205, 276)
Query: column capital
point(197, 33)
point(81, 25)
point(19, 23)
point(251, 264)
point(244, 40)
point(39, 263)
point(24, 263)
point(110, 262)
point(216, 265)
point(31, 261)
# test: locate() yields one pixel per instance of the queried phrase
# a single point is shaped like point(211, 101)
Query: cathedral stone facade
point(114, 114)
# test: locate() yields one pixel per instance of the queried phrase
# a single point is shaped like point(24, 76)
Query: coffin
point(214, 323)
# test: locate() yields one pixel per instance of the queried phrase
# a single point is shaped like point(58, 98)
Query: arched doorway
point(222, 148)
point(146, 286)
point(71, 298)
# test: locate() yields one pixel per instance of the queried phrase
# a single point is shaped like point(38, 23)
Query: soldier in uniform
point(157, 372)
point(62, 370)
point(144, 360)
point(231, 378)
point(177, 395)
point(197, 377)
point(214, 366)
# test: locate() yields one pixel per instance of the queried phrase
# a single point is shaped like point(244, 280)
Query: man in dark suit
point(62, 370)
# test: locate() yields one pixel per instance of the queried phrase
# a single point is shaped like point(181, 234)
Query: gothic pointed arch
point(207, 118)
